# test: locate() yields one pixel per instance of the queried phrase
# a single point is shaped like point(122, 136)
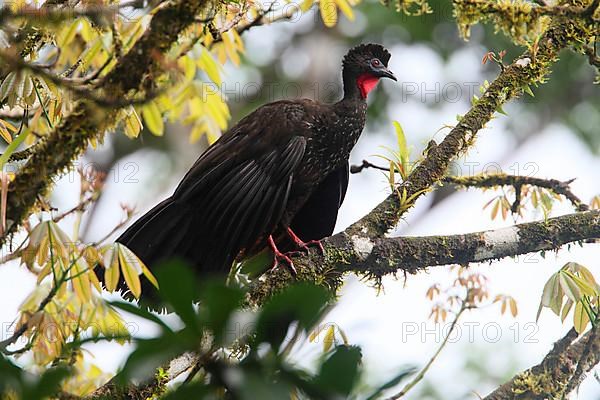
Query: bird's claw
point(304, 246)
point(278, 257)
point(289, 264)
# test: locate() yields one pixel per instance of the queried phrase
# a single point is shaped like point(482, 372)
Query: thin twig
point(490, 180)
point(424, 370)
point(258, 21)
point(109, 234)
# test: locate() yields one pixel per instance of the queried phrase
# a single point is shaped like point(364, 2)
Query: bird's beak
point(386, 73)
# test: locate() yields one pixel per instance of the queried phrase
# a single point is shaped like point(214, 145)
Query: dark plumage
point(283, 166)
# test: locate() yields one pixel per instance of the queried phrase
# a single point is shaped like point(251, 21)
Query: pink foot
point(305, 245)
point(279, 256)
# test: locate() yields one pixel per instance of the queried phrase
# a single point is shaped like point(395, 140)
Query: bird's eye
point(375, 62)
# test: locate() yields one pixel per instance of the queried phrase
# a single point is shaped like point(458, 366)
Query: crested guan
point(280, 174)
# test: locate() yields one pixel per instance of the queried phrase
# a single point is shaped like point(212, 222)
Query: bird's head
point(363, 66)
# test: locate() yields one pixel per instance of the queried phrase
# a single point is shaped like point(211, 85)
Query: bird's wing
point(239, 203)
point(317, 218)
point(234, 194)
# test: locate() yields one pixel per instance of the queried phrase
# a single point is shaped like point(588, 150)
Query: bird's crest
point(366, 51)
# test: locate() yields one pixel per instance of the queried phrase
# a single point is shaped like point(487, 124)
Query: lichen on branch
point(379, 256)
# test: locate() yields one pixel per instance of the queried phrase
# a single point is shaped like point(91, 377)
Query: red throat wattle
point(366, 83)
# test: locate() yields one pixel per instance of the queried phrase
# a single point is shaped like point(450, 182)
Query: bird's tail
point(153, 237)
point(172, 230)
point(159, 235)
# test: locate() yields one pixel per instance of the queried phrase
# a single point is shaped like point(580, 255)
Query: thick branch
point(525, 11)
point(375, 257)
point(551, 377)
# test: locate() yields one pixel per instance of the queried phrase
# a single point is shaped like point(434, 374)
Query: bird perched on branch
point(280, 174)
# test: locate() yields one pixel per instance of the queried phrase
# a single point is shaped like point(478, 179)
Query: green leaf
point(303, 302)
point(178, 288)
point(401, 138)
point(13, 146)
point(192, 390)
point(150, 354)
point(500, 110)
point(47, 385)
point(339, 373)
point(527, 90)
point(218, 303)
point(256, 265)
point(10, 375)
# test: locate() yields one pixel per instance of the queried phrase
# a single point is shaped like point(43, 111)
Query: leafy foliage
point(573, 284)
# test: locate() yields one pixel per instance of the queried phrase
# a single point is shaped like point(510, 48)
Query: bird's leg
point(304, 245)
point(278, 255)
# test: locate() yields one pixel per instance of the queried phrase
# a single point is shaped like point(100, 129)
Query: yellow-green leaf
point(81, 281)
point(346, 9)
point(67, 34)
point(4, 132)
point(565, 311)
point(132, 124)
point(580, 318)
point(401, 138)
point(569, 286)
point(153, 118)
point(208, 64)
point(328, 10)
point(138, 264)
point(8, 85)
point(130, 269)
point(329, 338)
point(111, 269)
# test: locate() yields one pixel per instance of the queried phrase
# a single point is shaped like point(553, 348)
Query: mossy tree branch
point(379, 256)
point(518, 181)
point(552, 376)
point(499, 179)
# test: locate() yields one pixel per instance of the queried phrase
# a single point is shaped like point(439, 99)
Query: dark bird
point(280, 174)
